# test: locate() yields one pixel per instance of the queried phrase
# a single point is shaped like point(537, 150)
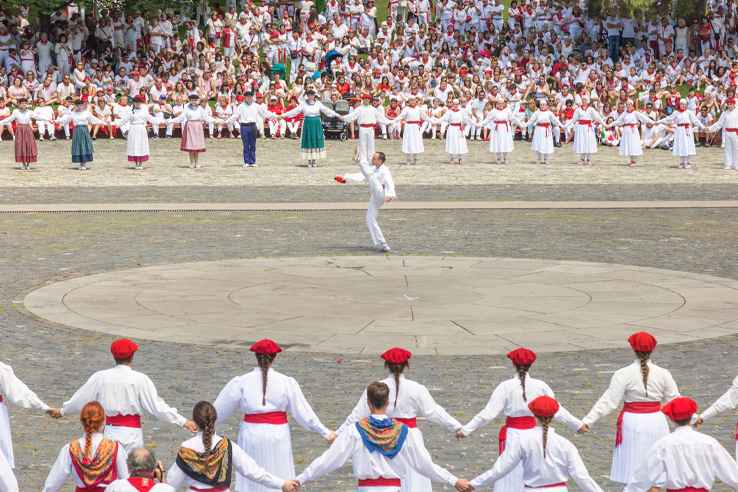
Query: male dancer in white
point(728, 401)
point(585, 142)
point(124, 394)
point(382, 188)
point(729, 122)
point(380, 449)
point(367, 117)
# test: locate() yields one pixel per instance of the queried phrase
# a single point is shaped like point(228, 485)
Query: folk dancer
point(684, 119)
point(312, 146)
point(366, 116)
point(81, 141)
point(137, 145)
point(412, 136)
point(247, 114)
point(729, 122)
point(25, 141)
point(455, 140)
point(585, 139)
point(631, 143)
point(501, 136)
point(728, 401)
point(543, 120)
point(193, 135)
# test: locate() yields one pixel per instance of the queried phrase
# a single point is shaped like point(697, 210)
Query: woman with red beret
point(512, 397)
point(407, 400)
point(265, 396)
point(643, 387)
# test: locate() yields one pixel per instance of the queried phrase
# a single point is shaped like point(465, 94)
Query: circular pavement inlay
point(436, 305)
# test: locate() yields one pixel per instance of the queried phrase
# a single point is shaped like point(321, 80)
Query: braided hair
point(204, 415)
point(92, 417)
point(264, 361)
point(522, 370)
point(545, 422)
point(644, 356)
point(396, 369)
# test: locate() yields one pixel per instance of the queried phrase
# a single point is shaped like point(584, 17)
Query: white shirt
point(627, 385)
point(726, 402)
point(242, 463)
point(14, 391)
point(508, 398)
point(309, 110)
point(122, 391)
point(414, 399)
point(728, 119)
point(81, 118)
point(561, 462)
point(193, 114)
point(125, 486)
point(63, 466)
point(383, 176)
point(368, 465)
point(282, 394)
point(249, 113)
point(366, 115)
point(684, 458)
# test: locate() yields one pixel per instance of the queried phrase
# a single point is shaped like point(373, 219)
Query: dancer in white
point(545, 459)
point(684, 119)
point(455, 140)
point(728, 401)
point(642, 387)
point(367, 117)
point(543, 120)
point(631, 144)
point(513, 397)
point(412, 136)
point(265, 396)
point(585, 141)
point(407, 400)
point(729, 122)
point(137, 145)
point(382, 191)
point(501, 135)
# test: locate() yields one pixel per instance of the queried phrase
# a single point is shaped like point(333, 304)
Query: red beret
point(123, 348)
point(239, 97)
point(266, 347)
point(642, 342)
point(522, 356)
point(136, 72)
point(366, 96)
point(138, 98)
point(680, 408)
point(544, 406)
point(396, 355)
point(730, 101)
point(732, 75)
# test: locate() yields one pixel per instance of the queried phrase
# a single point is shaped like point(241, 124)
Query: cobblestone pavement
point(222, 165)
point(55, 360)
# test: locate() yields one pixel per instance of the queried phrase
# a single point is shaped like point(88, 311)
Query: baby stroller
point(334, 126)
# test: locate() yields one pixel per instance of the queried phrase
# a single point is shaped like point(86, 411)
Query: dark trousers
point(248, 137)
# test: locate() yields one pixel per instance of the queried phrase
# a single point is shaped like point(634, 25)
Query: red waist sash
point(634, 407)
point(1, 398)
point(562, 484)
point(413, 123)
point(547, 126)
point(380, 482)
point(732, 130)
point(686, 127)
point(498, 123)
point(91, 489)
point(587, 123)
point(458, 125)
point(412, 423)
point(514, 423)
point(687, 489)
point(367, 126)
point(132, 421)
point(274, 418)
point(632, 126)
point(214, 489)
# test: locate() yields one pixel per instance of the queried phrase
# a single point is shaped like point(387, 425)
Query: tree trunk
point(44, 21)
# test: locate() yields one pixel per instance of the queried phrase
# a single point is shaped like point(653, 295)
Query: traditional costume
point(265, 433)
point(412, 136)
point(413, 399)
point(25, 141)
point(585, 138)
point(455, 140)
point(501, 135)
point(508, 398)
point(641, 422)
point(248, 116)
point(81, 141)
point(728, 121)
point(366, 116)
point(631, 143)
point(728, 401)
point(124, 394)
point(137, 145)
point(193, 136)
point(683, 147)
point(542, 469)
point(312, 145)
point(543, 142)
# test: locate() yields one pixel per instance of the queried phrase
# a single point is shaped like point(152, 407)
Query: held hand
point(462, 485)
point(340, 118)
point(191, 426)
point(331, 437)
point(699, 421)
point(340, 179)
point(583, 429)
point(387, 199)
point(290, 485)
point(460, 434)
point(54, 413)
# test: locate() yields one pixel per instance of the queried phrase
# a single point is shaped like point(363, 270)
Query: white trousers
point(170, 129)
point(43, 127)
point(277, 127)
point(128, 437)
point(366, 143)
point(375, 202)
point(293, 127)
point(731, 149)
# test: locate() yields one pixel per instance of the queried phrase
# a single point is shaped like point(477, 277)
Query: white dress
point(413, 400)
point(455, 141)
point(543, 136)
point(585, 141)
point(270, 445)
point(683, 136)
point(137, 145)
point(630, 143)
point(501, 136)
point(412, 139)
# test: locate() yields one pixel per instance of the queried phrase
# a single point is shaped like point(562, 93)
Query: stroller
point(334, 126)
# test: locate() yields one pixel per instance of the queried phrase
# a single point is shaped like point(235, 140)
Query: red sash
point(562, 484)
point(586, 122)
point(634, 407)
point(91, 489)
point(514, 423)
point(274, 418)
point(498, 123)
point(133, 421)
point(687, 489)
point(547, 126)
point(458, 125)
point(733, 130)
point(1, 399)
point(380, 482)
point(686, 127)
point(214, 489)
point(142, 484)
point(632, 126)
point(367, 126)
point(413, 123)
point(412, 423)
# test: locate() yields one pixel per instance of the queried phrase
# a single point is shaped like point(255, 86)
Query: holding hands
point(54, 413)
point(332, 436)
point(460, 434)
point(290, 485)
point(463, 485)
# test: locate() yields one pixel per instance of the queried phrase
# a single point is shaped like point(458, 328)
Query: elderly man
point(145, 471)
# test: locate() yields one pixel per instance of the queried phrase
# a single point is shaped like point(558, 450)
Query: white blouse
point(198, 113)
point(309, 110)
point(79, 118)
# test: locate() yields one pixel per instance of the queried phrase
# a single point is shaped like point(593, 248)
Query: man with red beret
point(366, 116)
point(124, 394)
point(729, 123)
point(685, 460)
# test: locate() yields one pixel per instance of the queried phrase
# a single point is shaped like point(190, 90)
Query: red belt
point(367, 126)
point(274, 418)
point(686, 127)
point(93, 489)
point(1, 399)
point(547, 126)
point(634, 407)
point(380, 482)
point(687, 489)
point(514, 423)
point(458, 125)
point(632, 126)
point(586, 122)
point(133, 421)
point(732, 130)
point(498, 123)
point(412, 423)
point(214, 489)
point(562, 484)
point(412, 123)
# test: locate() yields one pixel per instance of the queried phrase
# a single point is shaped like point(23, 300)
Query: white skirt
point(500, 139)
point(129, 438)
point(455, 141)
point(138, 141)
point(631, 143)
point(271, 447)
point(513, 481)
point(543, 140)
point(414, 481)
point(683, 143)
point(412, 139)
point(584, 139)
point(640, 431)
point(6, 438)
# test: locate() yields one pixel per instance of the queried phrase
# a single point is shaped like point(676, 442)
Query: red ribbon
point(562, 484)
point(498, 123)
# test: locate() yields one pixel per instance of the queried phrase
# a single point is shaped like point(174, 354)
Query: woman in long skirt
point(631, 143)
point(585, 141)
point(684, 119)
point(412, 137)
point(193, 136)
point(512, 397)
point(25, 142)
point(137, 145)
point(642, 387)
point(81, 141)
point(455, 141)
point(501, 137)
point(543, 119)
point(312, 146)
point(265, 396)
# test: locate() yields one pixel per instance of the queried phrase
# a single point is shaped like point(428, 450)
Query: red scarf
point(143, 484)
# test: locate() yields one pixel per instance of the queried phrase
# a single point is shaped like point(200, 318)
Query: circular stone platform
point(431, 305)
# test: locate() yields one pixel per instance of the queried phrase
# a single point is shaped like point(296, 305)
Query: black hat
point(194, 97)
point(79, 102)
point(22, 100)
point(310, 92)
point(248, 94)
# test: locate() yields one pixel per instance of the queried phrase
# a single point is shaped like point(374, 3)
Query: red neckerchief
point(632, 110)
point(681, 110)
point(144, 483)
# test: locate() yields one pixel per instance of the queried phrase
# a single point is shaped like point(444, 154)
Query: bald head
point(141, 460)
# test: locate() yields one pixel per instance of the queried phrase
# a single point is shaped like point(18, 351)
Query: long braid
point(545, 422)
point(87, 424)
point(204, 415)
point(396, 369)
point(264, 361)
point(92, 417)
point(522, 370)
point(644, 356)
